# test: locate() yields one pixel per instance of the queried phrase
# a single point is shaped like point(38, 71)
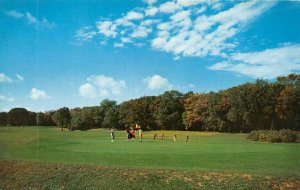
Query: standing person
point(187, 139)
point(112, 134)
point(137, 126)
point(141, 134)
point(132, 132)
point(175, 138)
point(128, 134)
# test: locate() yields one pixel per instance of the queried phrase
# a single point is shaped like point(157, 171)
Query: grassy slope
point(205, 152)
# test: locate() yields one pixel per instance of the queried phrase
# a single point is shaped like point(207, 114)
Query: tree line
point(261, 105)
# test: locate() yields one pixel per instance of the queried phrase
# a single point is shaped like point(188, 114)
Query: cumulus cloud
point(107, 28)
point(88, 90)
point(157, 82)
point(151, 11)
point(4, 78)
point(101, 86)
point(187, 3)
point(183, 27)
point(206, 35)
point(266, 64)
point(150, 2)
point(140, 32)
point(169, 7)
point(36, 94)
point(133, 15)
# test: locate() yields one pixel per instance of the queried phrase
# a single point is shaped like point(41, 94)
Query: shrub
point(286, 136)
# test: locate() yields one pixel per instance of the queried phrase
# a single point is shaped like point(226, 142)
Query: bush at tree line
point(284, 135)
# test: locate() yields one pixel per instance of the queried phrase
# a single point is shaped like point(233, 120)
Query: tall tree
point(62, 118)
point(20, 116)
point(170, 110)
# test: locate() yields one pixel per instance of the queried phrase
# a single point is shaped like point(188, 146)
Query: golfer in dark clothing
point(128, 134)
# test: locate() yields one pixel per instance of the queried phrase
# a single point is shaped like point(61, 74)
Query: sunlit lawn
point(206, 152)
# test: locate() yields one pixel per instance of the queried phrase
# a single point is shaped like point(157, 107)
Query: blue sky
point(77, 53)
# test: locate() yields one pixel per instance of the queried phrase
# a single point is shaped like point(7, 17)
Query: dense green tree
point(62, 118)
point(105, 106)
point(20, 116)
point(170, 110)
point(3, 119)
point(111, 118)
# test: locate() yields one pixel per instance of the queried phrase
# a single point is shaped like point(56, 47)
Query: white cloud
point(140, 32)
point(15, 14)
point(156, 82)
point(133, 15)
point(126, 40)
point(36, 94)
point(4, 78)
point(206, 35)
point(181, 15)
point(266, 64)
point(123, 22)
point(139, 44)
point(44, 23)
point(118, 44)
point(201, 10)
point(7, 79)
point(186, 29)
point(217, 6)
point(19, 77)
point(151, 11)
point(4, 98)
point(88, 90)
point(169, 7)
point(150, 2)
point(187, 3)
point(101, 86)
point(85, 33)
point(107, 28)
point(30, 19)
point(176, 58)
point(103, 43)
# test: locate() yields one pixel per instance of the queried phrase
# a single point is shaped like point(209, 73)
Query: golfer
point(141, 134)
point(112, 134)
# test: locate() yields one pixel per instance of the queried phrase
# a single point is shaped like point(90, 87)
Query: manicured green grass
point(205, 152)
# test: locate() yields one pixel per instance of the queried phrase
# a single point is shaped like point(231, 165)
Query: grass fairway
point(226, 157)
